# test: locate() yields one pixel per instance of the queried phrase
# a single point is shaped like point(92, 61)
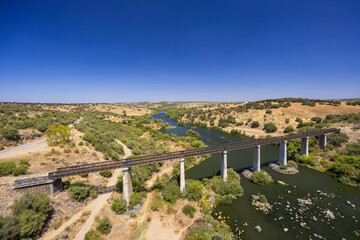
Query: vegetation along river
point(324, 192)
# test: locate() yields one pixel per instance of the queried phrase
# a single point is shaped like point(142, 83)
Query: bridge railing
point(113, 164)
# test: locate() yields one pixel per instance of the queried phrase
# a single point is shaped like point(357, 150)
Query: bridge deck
point(108, 165)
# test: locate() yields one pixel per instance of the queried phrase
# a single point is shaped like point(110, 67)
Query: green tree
point(192, 133)
point(189, 210)
point(7, 167)
point(104, 225)
point(119, 206)
point(171, 192)
point(270, 127)
point(289, 129)
point(255, 124)
point(58, 134)
point(194, 190)
point(10, 133)
point(261, 177)
point(337, 139)
point(9, 228)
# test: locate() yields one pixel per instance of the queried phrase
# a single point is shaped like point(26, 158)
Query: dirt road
point(95, 206)
point(37, 146)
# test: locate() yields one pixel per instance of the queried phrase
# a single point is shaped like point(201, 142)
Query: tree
point(119, 206)
point(9, 228)
point(194, 190)
point(261, 177)
point(255, 124)
point(171, 192)
point(337, 139)
point(192, 133)
point(189, 210)
point(104, 225)
point(10, 133)
point(270, 127)
point(7, 167)
point(289, 129)
point(58, 134)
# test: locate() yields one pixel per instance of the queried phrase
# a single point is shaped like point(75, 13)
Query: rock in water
point(258, 228)
point(329, 214)
point(286, 229)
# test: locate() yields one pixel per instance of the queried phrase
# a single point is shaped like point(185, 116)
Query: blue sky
point(126, 51)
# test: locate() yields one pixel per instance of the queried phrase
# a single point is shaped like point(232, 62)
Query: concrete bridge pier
point(256, 158)
point(322, 141)
point(304, 150)
point(224, 165)
point(127, 184)
point(182, 174)
point(283, 153)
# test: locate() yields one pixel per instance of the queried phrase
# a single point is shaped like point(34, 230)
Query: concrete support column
point(127, 184)
point(256, 158)
point(304, 150)
point(322, 141)
point(182, 174)
point(283, 153)
point(224, 165)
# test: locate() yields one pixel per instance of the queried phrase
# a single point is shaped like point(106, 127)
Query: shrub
point(292, 164)
point(287, 120)
point(20, 170)
point(180, 123)
point(79, 191)
point(171, 192)
point(270, 127)
point(135, 199)
point(106, 173)
point(81, 143)
point(58, 134)
point(353, 148)
point(284, 167)
point(268, 112)
point(192, 133)
point(255, 124)
point(93, 235)
point(9, 227)
point(194, 190)
point(7, 167)
point(316, 119)
point(337, 139)
point(189, 210)
point(67, 150)
point(157, 203)
point(119, 206)
point(261, 177)
point(262, 198)
point(231, 186)
point(10, 133)
point(1, 147)
point(308, 160)
point(289, 129)
point(299, 120)
point(104, 225)
point(24, 163)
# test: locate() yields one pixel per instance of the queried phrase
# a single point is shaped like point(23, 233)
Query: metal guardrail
point(134, 161)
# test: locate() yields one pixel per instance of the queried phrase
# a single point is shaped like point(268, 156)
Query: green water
point(303, 185)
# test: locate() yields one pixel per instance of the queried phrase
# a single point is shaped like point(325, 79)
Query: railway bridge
point(54, 177)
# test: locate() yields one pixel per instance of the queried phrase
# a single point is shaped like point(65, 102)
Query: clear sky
point(149, 50)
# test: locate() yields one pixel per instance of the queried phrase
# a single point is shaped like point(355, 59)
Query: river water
point(324, 192)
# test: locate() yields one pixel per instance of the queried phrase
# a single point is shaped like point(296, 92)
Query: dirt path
point(95, 206)
point(36, 146)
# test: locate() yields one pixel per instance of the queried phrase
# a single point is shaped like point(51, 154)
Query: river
point(324, 191)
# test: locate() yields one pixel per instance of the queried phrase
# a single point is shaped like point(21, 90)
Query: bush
point(157, 203)
point(194, 190)
point(316, 119)
point(7, 167)
point(261, 177)
point(93, 235)
point(9, 228)
point(189, 210)
point(289, 129)
point(262, 198)
point(119, 206)
point(180, 123)
point(1, 147)
point(192, 133)
point(171, 192)
point(32, 209)
point(270, 127)
point(287, 120)
point(283, 167)
point(337, 139)
point(308, 160)
point(230, 187)
point(79, 191)
point(20, 170)
point(104, 225)
point(10, 133)
point(135, 199)
point(255, 124)
point(292, 164)
point(268, 112)
point(106, 173)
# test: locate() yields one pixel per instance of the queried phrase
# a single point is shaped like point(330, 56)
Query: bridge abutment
point(322, 141)
point(283, 153)
point(182, 174)
point(127, 184)
point(224, 165)
point(256, 158)
point(304, 150)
